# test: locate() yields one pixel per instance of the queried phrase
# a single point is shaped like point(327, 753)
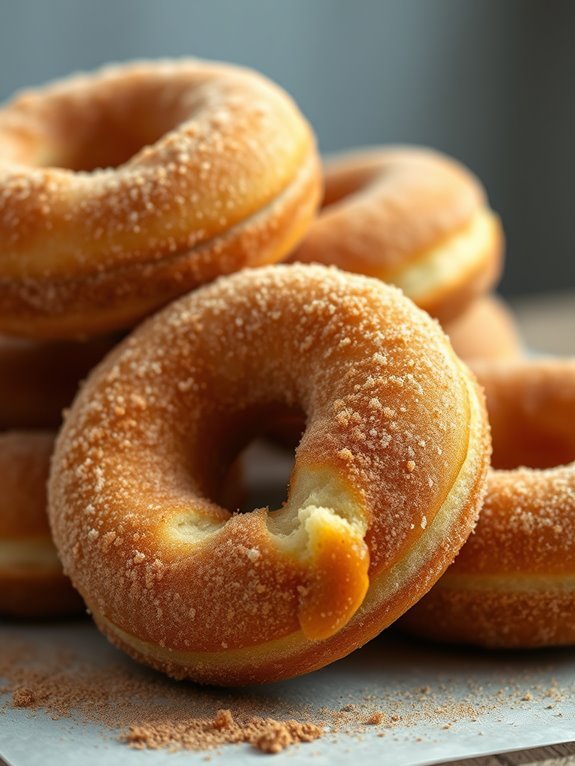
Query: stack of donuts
point(37, 380)
point(169, 232)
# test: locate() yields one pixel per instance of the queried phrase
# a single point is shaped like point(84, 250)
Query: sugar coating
point(212, 168)
point(528, 515)
point(144, 450)
point(512, 584)
point(411, 217)
point(383, 207)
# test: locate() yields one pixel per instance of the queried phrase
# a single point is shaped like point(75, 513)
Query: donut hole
point(259, 474)
point(106, 127)
point(259, 477)
point(535, 432)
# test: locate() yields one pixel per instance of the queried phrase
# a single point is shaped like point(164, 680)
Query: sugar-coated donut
point(32, 583)
point(512, 584)
point(388, 477)
point(486, 330)
point(39, 378)
point(122, 189)
point(412, 217)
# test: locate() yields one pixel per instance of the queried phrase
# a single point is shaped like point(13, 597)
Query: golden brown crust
point(387, 210)
point(507, 618)
point(485, 331)
point(31, 580)
point(39, 379)
point(388, 476)
point(512, 584)
point(216, 170)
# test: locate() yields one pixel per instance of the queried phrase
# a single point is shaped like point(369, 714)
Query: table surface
point(557, 755)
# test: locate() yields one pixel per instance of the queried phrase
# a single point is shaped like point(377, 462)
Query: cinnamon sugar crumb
point(375, 719)
point(280, 735)
point(345, 454)
point(223, 720)
point(266, 734)
point(273, 741)
point(23, 698)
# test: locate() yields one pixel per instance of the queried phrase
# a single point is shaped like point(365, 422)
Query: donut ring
point(411, 217)
point(122, 189)
point(512, 584)
point(487, 330)
point(32, 583)
point(39, 379)
point(387, 482)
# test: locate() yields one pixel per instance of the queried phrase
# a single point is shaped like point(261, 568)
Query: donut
point(512, 584)
point(487, 330)
point(32, 583)
point(39, 378)
point(122, 189)
point(411, 217)
point(387, 482)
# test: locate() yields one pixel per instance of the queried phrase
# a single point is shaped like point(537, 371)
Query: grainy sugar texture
point(391, 462)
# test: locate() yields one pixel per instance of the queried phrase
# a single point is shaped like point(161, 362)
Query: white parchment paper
point(448, 703)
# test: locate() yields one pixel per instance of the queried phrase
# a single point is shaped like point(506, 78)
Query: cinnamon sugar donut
point(31, 580)
point(512, 584)
point(38, 379)
point(486, 330)
point(387, 481)
point(122, 189)
point(412, 217)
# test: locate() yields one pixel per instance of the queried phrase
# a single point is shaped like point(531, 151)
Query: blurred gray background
point(491, 83)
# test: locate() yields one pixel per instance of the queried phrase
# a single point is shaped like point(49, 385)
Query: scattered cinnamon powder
point(23, 698)
point(266, 734)
point(145, 710)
